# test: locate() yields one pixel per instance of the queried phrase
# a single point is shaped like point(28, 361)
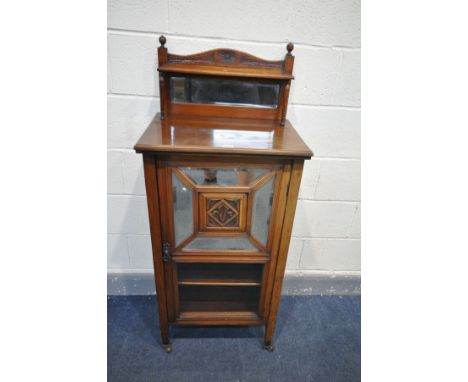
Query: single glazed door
point(221, 223)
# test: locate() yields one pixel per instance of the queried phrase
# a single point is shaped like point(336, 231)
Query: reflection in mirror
point(224, 176)
point(224, 92)
point(221, 243)
point(263, 200)
point(183, 210)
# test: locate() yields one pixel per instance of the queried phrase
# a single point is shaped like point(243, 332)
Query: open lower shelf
point(220, 274)
point(219, 299)
point(218, 306)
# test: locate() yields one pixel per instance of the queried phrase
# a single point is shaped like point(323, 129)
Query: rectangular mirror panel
point(225, 92)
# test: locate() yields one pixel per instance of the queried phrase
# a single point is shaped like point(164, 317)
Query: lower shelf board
point(216, 307)
point(227, 282)
point(219, 303)
point(238, 317)
point(219, 315)
point(210, 311)
point(218, 298)
point(221, 321)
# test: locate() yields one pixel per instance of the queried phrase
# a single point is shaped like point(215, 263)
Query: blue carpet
point(317, 339)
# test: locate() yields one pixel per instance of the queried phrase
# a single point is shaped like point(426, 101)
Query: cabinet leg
point(167, 348)
point(165, 338)
point(267, 342)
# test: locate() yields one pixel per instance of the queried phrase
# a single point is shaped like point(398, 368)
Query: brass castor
point(270, 348)
point(167, 348)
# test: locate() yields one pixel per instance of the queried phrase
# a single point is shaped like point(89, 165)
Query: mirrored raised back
point(226, 92)
point(224, 83)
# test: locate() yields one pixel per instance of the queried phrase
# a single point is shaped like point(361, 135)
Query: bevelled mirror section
point(225, 92)
point(183, 209)
point(221, 243)
point(224, 176)
point(263, 200)
point(226, 219)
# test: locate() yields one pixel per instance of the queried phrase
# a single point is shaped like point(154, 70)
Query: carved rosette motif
point(222, 212)
point(247, 60)
point(227, 57)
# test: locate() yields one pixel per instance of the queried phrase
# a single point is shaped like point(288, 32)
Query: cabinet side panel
point(293, 192)
point(155, 228)
point(279, 206)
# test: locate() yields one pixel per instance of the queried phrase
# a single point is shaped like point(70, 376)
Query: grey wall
point(324, 107)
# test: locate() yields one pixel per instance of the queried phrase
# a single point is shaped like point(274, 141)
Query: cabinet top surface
point(205, 135)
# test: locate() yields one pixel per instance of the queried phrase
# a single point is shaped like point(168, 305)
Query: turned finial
point(162, 40)
point(289, 47)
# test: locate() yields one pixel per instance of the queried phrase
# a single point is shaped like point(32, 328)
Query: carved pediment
point(224, 57)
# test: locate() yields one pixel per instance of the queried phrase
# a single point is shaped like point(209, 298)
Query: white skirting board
point(295, 283)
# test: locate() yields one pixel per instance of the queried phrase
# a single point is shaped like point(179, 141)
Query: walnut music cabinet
point(222, 169)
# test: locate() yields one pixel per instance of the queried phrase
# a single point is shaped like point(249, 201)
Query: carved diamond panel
point(223, 212)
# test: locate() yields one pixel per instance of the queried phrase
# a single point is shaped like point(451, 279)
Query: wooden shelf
point(218, 306)
point(227, 282)
point(220, 71)
point(219, 318)
point(223, 300)
point(220, 274)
